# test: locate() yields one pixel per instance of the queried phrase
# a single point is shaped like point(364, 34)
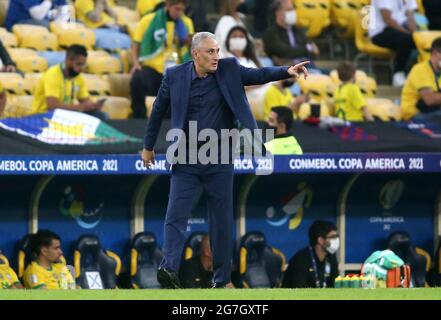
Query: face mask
point(72, 72)
point(439, 64)
point(238, 44)
point(287, 83)
point(334, 244)
point(291, 17)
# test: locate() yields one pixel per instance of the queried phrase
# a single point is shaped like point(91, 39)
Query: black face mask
point(72, 73)
point(287, 83)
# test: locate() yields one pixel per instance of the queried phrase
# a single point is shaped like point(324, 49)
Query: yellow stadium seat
point(313, 15)
point(423, 42)
point(32, 79)
point(343, 16)
point(58, 27)
point(119, 84)
point(4, 4)
point(257, 107)
point(92, 54)
point(31, 64)
point(367, 84)
point(305, 110)
point(8, 39)
point(117, 107)
point(40, 41)
point(146, 6)
point(149, 105)
point(368, 49)
point(421, 7)
point(21, 30)
point(384, 109)
point(18, 106)
point(85, 37)
point(318, 86)
point(14, 83)
point(96, 86)
point(17, 53)
point(131, 28)
point(103, 65)
point(125, 57)
point(125, 15)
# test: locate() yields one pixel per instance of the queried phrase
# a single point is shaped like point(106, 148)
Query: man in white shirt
point(392, 28)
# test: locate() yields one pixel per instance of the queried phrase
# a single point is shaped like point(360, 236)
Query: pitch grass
point(226, 294)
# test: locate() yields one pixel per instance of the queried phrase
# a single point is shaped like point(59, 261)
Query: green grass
point(226, 294)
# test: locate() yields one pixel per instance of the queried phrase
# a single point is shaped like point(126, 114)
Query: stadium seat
point(260, 266)
point(119, 84)
point(125, 15)
point(343, 16)
point(418, 259)
point(85, 37)
point(18, 106)
point(318, 86)
point(24, 255)
point(368, 49)
point(4, 4)
point(96, 86)
point(423, 42)
point(17, 53)
point(31, 64)
point(40, 41)
point(17, 86)
point(384, 109)
point(313, 15)
point(149, 105)
point(32, 80)
point(92, 263)
point(103, 65)
point(21, 30)
point(11, 82)
point(306, 110)
point(257, 107)
point(4, 260)
point(192, 247)
point(421, 7)
point(8, 39)
point(145, 258)
point(92, 54)
point(118, 108)
point(131, 28)
point(58, 27)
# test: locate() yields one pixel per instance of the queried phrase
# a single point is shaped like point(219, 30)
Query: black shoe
point(168, 279)
point(218, 285)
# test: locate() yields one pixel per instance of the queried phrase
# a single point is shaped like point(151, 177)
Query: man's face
point(207, 55)
point(76, 64)
point(53, 252)
point(273, 120)
point(436, 58)
point(176, 10)
point(286, 5)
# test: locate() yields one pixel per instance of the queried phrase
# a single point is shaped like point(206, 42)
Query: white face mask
point(238, 44)
point(291, 17)
point(439, 64)
point(334, 244)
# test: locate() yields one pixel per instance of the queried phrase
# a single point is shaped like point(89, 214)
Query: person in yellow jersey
point(2, 100)
point(8, 277)
point(349, 101)
point(161, 40)
point(146, 6)
point(284, 143)
point(46, 271)
point(63, 86)
point(421, 95)
point(95, 13)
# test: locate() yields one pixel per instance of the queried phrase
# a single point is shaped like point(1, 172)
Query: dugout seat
point(437, 266)
point(3, 259)
point(418, 259)
point(145, 258)
point(313, 15)
point(260, 266)
point(192, 247)
point(92, 262)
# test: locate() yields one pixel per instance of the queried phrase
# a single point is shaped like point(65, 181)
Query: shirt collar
point(193, 73)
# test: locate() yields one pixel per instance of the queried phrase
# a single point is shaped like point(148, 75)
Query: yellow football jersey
point(57, 277)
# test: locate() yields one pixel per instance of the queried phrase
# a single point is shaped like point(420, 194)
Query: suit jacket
point(231, 77)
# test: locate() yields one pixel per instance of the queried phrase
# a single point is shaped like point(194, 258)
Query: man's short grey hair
point(199, 37)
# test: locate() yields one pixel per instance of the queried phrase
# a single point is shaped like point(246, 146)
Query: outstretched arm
point(253, 76)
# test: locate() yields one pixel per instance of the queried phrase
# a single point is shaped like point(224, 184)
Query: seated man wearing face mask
point(421, 95)
point(283, 41)
point(316, 265)
point(279, 94)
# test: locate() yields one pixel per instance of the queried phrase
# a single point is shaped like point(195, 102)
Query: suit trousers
point(217, 183)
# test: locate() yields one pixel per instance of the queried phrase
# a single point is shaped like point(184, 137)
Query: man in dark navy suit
point(208, 91)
